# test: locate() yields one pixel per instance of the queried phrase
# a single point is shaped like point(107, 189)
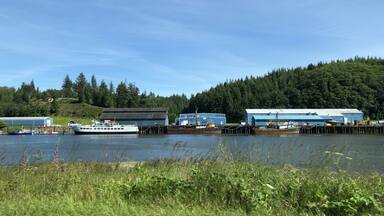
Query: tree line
point(353, 83)
point(27, 100)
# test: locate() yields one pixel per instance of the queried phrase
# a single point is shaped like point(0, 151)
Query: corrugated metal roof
point(291, 117)
point(24, 118)
point(118, 110)
point(323, 112)
point(130, 115)
point(182, 115)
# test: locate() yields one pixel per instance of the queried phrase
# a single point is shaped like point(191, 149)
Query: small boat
point(108, 127)
point(21, 132)
point(278, 127)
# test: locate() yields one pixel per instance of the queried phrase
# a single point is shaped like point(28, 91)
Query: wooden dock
point(238, 130)
point(341, 129)
point(344, 129)
point(247, 130)
point(152, 130)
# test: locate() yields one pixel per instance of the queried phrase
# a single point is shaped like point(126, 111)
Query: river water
point(348, 152)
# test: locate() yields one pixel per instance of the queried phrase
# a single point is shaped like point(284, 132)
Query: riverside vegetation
point(186, 187)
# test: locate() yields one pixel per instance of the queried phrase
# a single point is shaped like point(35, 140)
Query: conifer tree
point(81, 86)
point(67, 87)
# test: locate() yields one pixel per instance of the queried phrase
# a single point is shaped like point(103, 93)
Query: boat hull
point(103, 133)
point(274, 131)
point(183, 130)
point(19, 134)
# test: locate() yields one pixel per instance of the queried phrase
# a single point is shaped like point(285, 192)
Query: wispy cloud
point(179, 46)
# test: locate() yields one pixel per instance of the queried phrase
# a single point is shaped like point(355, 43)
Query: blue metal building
point(202, 119)
point(28, 121)
point(262, 117)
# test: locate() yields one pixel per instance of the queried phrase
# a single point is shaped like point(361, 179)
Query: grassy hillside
point(185, 188)
point(71, 108)
point(356, 83)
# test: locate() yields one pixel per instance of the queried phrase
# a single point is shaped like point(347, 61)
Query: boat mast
point(277, 119)
point(197, 108)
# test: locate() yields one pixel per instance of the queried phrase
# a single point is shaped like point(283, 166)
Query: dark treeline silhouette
point(354, 83)
point(28, 100)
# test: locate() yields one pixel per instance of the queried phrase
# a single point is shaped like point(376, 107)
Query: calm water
point(358, 153)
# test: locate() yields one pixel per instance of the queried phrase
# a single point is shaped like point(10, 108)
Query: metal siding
point(137, 116)
point(292, 117)
point(203, 118)
point(338, 115)
point(27, 123)
point(338, 119)
point(124, 110)
point(329, 112)
point(143, 122)
point(352, 117)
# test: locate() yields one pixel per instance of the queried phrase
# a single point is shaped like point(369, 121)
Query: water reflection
point(359, 153)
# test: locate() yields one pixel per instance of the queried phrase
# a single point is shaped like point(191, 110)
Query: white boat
point(22, 132)
point(107, 127)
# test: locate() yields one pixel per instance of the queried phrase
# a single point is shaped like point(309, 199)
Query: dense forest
point(28, 100)
point(354, 83)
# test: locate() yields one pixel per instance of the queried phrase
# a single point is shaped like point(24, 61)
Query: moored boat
point(107, 127)
point(277, 131)
point(21, 132)
point(193, 130)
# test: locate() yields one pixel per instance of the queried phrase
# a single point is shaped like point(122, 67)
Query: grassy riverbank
point(185, 188)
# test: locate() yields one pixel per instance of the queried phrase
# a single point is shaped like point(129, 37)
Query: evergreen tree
point(81, 87)
point(88, 93)
point(95, 91)
point(111, 95)
point(122, 95)
point(104, 99)
point(67, 87)
point(133, 95)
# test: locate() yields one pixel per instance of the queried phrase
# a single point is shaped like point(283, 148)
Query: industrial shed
point(202, 119)
point(262, 117)
point(28, 121)
point(137, 116)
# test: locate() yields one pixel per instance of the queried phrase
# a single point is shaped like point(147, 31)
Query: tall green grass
point(193, 187)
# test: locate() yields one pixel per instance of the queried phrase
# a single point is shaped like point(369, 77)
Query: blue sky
point(174, 46)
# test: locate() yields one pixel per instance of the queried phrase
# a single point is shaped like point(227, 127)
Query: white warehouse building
point(262, 117)
point(28, 121)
